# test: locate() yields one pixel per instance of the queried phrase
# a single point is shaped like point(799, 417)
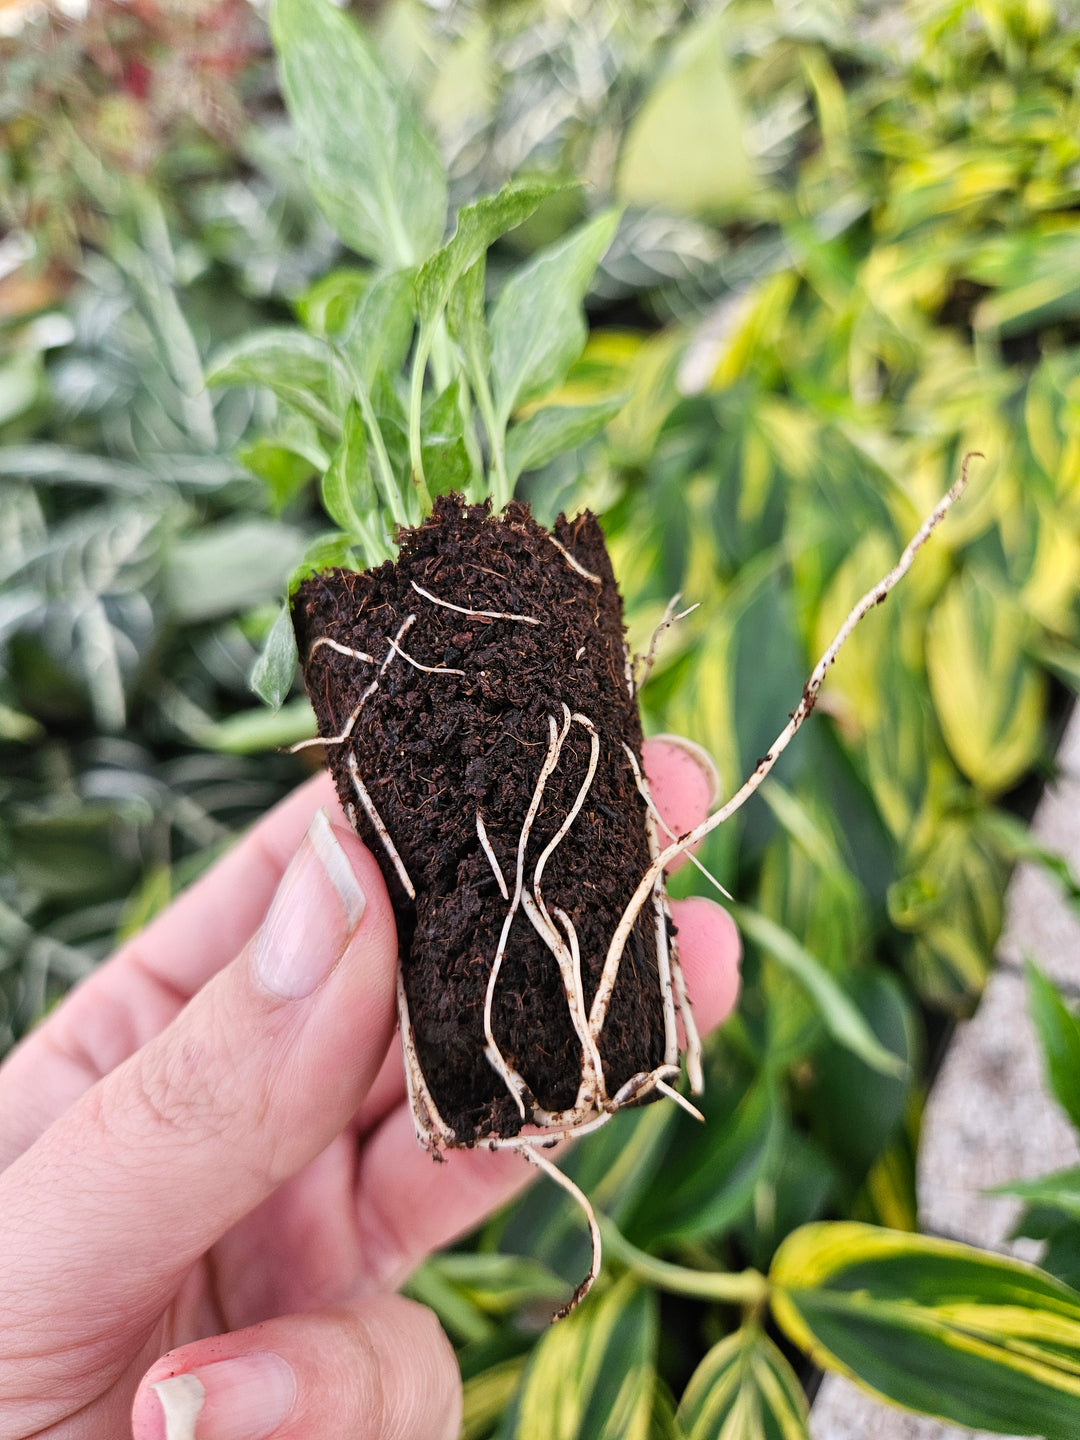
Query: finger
point(379, 1370)
point(252, 1080)
point(684, 784)
point(408, 1206)
point(131, 998)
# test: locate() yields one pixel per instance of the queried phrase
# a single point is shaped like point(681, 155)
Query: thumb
point(251, 1081)
point(379, 1370)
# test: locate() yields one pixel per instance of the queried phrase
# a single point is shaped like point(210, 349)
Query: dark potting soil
point(433, 748)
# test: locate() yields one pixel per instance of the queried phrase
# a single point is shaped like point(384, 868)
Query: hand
point(208, 1172)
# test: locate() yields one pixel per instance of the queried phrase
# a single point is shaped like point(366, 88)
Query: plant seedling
point(467, 666)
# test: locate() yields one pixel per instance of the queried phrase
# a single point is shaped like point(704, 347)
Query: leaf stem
point(387, 483)
point(748, 1288)
point(501, 489)
point(416, 403)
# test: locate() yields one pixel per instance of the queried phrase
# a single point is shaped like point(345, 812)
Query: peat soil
point(434, 747)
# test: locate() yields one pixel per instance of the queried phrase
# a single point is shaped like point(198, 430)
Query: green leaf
point(479, 225)
point(591, 1376)
point(324, 552)
point(554, 430)
point(275, 670)
point(347, 491)
point(326, 307)
point(300, 369)
point(446, 459)
point(744, 1389)
point(709, 1186)
point(1059, 1035)
point(1059, 1190)
point(227, 567)
point(840, 1017)
point(958, 1333)
point(683, 148)
point(537, 327)
point(465, 321)
point(379, 330)
point(375, 174)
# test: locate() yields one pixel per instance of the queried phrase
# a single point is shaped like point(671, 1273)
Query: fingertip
point(683, 780)
point(710, 952)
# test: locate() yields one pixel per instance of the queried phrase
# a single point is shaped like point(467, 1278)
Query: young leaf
point(446, 459)
point(554, 430)
point(1059, 1035)
point(744, 1389)
point(379, 329)
point(301, 370)
point(375, 174)
point(275, 670)
point(537, 327)
point(348, 491)
point(932, 1325)
point(479, 225)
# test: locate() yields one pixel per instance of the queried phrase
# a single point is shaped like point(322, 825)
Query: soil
point(433, 748)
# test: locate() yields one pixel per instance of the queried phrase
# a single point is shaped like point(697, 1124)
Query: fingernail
point(701, 758)
point(242, 1399)
point(317, 907)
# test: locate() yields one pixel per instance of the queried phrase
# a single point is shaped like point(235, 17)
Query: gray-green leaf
point(479, 225)
point(555, 429)
point(302, 371)
point(538, 327)
point(1059, 1035)
point(375, 174)
point(275, 670)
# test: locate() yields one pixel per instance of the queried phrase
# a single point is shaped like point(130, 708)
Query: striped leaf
point(935, 1326)
point(592, 1376)
point(744, 1389)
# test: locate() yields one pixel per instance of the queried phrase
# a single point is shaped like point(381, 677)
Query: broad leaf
point(554, 430)
point(479, 225)
point(347, 490)
point(744, 1389)
point(684, 149)
point(275, 670)
point(1059, 1035)
point(378, 331)
point(591, 1377)
point(841, 1018)
point(537, 327)
point(375, 174)
point(962, 1334)
point(300, 369)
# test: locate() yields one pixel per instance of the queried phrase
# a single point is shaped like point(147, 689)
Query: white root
point(574, 564)
point(873, 597)
point(660, 908)
point(431, 1129)
point(643, 790)
point(554, 1173)
point(514, 1082)
point(482, 835)
point(379, 826)
point(646, 661)
point(463, 610)
point(680, 1100)
point(427, 669)
point(341, 650)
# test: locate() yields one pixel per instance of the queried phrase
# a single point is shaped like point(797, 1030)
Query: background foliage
point(814, 317)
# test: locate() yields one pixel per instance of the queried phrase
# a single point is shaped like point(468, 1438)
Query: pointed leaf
point(554, 430)
point(958, 1333)
point(744, 1389)
point(537, 327)
point(479, 225)
point(1059, 1035)
point(301, 370)
point(275, 670)
point(375, 174)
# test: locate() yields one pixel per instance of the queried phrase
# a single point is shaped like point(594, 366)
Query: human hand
point(208, 1171)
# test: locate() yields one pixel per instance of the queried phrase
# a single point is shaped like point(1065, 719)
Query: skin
point(197, 1170)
